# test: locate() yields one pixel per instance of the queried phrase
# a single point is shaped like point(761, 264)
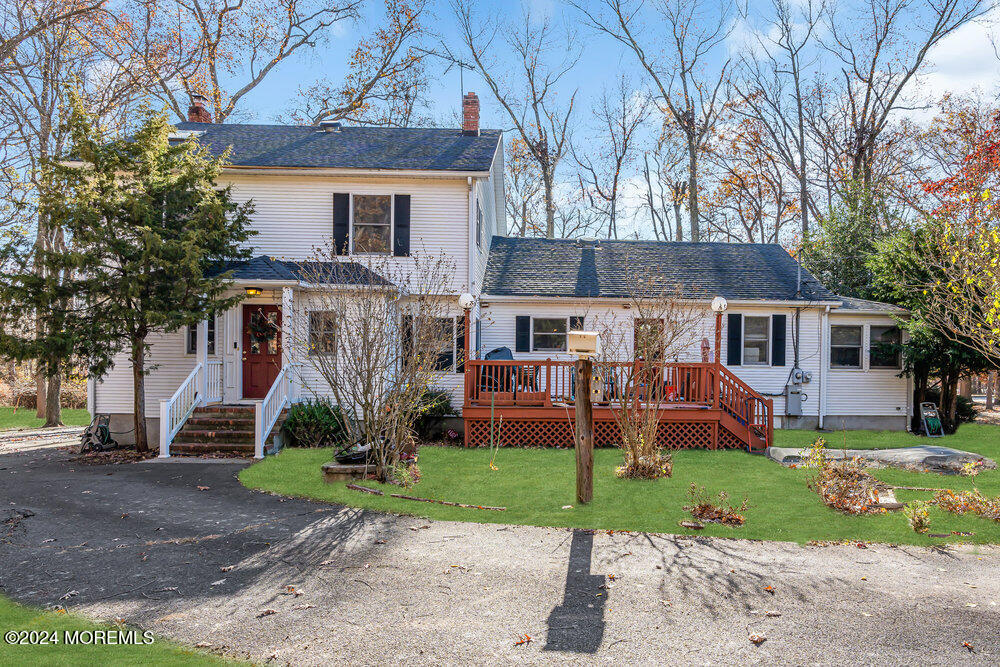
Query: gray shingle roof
point(329, 273)
point(563, 267)
point(866, 305)
point(408, 148)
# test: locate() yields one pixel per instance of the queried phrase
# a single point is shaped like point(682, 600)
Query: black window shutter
point(407, 336)
point(460, 344)
point(576, 323)
point(778, 339)
point(401, 232)
point(341, 222)
point(522, 337)
point(734, 340)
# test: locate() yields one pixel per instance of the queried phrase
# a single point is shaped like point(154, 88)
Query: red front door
point(261, 348)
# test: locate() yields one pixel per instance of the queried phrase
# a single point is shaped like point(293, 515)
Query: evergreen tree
point(146, 223)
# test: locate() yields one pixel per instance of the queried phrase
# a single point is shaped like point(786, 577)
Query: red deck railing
point(546, 383)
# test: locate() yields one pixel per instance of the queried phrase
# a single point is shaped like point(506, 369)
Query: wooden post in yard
point(584, 432)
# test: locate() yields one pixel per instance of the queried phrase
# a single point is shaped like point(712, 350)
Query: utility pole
point(584, 431)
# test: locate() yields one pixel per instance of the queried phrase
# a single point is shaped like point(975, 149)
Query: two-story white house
point(795, 354)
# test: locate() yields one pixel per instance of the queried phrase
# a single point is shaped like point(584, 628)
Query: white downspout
point(472, 234)
point(823, 363)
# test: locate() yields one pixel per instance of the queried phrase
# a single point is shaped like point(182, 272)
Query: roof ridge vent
point(330, 125)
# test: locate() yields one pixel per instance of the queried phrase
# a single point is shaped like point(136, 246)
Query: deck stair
point(219, 429)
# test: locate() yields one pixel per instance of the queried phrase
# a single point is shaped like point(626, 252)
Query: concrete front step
point(194, 435)
point(219, 424)
point(198, 448)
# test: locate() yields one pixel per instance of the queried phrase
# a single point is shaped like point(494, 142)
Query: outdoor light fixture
point(719, 304)
point(466, 301)
point(254, 291)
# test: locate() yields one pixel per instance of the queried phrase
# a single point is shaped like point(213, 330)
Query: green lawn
point(17, 617)
point(25, 418)
point(534, 484)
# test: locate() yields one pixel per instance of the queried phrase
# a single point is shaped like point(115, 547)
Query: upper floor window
point(191, 344)
point(884, 351)
point(756, 340)
point(371, 217)
point(845, 346)
point(648, 339)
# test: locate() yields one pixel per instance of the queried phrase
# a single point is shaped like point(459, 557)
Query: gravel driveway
point(182, 549)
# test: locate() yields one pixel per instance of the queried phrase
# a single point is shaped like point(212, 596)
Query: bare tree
point(386, 82)
point(523, 190)
point(221, 49)
point(619, 115)
point(680, 71)
point(374, 335)
point(21, 20)
point(880, 46)
point(630, 371)
point(773, 85)
point(665, 176)
point(528, 90)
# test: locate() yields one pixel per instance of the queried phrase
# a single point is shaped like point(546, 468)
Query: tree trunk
point(991, 387)
point(40, 392)
point(693, 190)
point(550, 209)
point(53, 409)
point(920, 381)
point(677, 221)
point(139, 394)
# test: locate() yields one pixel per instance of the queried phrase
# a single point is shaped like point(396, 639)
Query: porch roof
point(609, 269)
point(266, 268)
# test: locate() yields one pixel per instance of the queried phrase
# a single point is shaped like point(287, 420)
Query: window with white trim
point(846, 342)
point(191, 345)
point(371, 224)
point(756, 340)
point(883, 347)
point(322, 333)
point(548, 334)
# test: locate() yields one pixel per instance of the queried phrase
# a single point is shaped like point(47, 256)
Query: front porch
point(532, 404)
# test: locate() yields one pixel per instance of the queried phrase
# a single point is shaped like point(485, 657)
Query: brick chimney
point(470, 115)
point(197, 113)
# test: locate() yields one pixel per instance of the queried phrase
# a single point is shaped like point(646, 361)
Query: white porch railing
point(175, 410)
point(213, 383)
point(267, 411)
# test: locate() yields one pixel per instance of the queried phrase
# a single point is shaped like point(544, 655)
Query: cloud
point(964, 61)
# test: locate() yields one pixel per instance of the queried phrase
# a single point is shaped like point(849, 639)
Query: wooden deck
point(532, 404)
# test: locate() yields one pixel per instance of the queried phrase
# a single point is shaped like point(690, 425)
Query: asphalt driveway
point(184, 550)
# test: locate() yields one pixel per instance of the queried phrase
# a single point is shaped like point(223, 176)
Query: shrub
point(654, 466)
point(434, 404)
point(968, 502)
point(704, 507)
point(315, 423)
point(916, 513)
point(846, 487)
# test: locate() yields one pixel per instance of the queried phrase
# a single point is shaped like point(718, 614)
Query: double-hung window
point(756, 340)
point(322, 333)
point(371, 221)
point(846, 343)
point(548, 334)
point(884, 351)
point(191, 339)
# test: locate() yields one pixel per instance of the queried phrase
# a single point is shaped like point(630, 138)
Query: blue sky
point(964, 60)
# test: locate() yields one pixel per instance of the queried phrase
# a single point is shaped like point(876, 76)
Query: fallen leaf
point(567, 507)
point(202, 645)
point(291, 590)
point(523, 639)
point(773, 614)
point(969, 646)
point(326, 562)
point(226, 568)
point(219, 582)
point(379, 541)
point(769, 589)
point(612, 577)
point(204, 488)
point(69, 595)
point(756, 639)
point(266, 612)
point(51, 539)
point(300, 607)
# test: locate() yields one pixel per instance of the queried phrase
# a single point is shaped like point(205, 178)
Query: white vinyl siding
point(864, 391)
